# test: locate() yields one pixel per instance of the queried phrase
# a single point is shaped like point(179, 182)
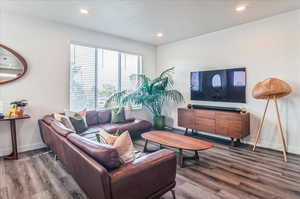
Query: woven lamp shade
point(271, 87)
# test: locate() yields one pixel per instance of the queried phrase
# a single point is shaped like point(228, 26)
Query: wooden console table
point(14, 154)
point(226, 123)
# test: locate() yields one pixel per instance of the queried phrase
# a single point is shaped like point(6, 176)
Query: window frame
point(140, 68)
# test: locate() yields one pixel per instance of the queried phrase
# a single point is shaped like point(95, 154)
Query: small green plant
point(20, 103)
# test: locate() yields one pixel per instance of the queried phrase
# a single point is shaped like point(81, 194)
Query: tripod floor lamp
point(272, 89)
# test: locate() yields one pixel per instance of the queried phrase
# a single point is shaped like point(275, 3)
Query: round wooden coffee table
point(181, 142)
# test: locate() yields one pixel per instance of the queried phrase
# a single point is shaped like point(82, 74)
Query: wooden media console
point(232, 124)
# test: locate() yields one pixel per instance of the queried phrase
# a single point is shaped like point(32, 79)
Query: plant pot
point(159, 122)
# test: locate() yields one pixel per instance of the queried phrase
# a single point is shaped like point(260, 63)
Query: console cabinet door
point(185, 118)
point(205, 124)
point(221, 127)
point(229, 124)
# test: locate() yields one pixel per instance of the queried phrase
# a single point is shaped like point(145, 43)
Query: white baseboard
point(6, 151)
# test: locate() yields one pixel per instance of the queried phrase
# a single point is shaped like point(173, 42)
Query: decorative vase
point(159, 122)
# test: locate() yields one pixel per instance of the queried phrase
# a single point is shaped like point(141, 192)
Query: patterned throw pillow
point(105, 138)
point(118, 115)
point(122, 143)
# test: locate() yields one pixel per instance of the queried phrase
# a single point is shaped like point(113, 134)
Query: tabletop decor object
point(17, 108)
point(272, 88)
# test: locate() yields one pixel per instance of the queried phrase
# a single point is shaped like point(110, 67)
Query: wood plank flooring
point(223, 172)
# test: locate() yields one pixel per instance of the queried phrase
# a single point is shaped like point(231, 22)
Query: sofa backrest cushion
point(60, 128)
point(92, 118)
point(104, 116)
point(106, 155)
point(48, 119)
point(61, 117)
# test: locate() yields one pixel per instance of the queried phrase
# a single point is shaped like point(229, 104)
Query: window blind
point(97, 73)
point(82, 78)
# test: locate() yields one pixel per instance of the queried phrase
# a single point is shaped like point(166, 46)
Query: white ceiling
point(141, 19)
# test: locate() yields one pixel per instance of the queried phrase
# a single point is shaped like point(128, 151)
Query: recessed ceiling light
point(159, 34)
point(84, 11)
point(240, 8)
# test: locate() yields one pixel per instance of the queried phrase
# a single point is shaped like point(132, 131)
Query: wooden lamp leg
point(281, 130)
point(261, 124)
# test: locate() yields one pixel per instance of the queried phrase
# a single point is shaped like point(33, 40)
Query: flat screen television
point(227, 85)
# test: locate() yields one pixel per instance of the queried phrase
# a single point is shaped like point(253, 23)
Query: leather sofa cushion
point(92, 129)
point(135, 127)
point(92, 118)
point(104, 116)
point(48, 119)
point(60, 128)
point(106, 155)
point(91, 132)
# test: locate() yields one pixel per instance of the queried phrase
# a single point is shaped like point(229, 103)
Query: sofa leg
point(173, 193)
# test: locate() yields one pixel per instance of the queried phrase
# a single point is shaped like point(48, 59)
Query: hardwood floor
point(222, 172)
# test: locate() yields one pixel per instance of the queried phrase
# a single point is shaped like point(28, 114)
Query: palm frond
point(159, 84)
point(116, 99)
point(140, 79)
point(173, 95)
point(168, 74)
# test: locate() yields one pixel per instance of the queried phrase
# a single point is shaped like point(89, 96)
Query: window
point(96, 73)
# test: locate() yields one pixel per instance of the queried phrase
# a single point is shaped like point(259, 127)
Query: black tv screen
point(219, 85)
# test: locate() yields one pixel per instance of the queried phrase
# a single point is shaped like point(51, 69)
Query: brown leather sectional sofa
point(97, 168)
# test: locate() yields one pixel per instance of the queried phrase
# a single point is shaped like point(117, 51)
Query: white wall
point(45, 46)
point(267, 48)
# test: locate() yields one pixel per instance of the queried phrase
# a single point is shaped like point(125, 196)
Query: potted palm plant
point(150, 93)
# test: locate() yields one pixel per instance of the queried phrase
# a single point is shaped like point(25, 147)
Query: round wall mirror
point(12, 65)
